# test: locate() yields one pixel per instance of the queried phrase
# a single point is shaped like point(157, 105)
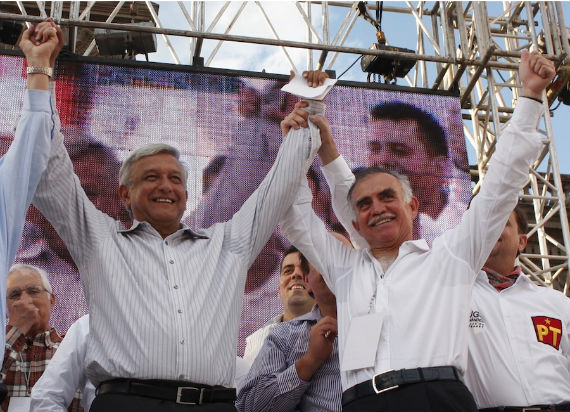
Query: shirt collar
point(48, 338)
point(185, 229)
point(523, 280)
point(409, 246)
point(313, 315)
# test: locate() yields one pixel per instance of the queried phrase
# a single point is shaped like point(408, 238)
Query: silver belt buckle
point(379, 391)
point(179, 395)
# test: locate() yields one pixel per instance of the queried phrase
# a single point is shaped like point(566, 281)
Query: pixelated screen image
point(227, 129)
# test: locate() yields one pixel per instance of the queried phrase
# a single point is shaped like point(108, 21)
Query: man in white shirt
point(519, 333)
point(65, 374)
point(402, 306)
point(294, 294)
point(164, 300)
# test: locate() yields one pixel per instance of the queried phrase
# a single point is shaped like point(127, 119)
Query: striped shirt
point(273, 384)
point(25, 360)
point(167, 308)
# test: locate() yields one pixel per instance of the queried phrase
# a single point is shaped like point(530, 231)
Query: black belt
point(533, 408)
point(186, 393)
point(393, 379)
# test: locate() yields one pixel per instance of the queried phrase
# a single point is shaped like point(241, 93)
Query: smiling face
point(399, 145)
point(158, 193)
point(293, 289)
point(383, 218)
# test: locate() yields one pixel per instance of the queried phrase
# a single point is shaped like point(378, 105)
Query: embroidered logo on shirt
point(476, 320)
point(548, 330)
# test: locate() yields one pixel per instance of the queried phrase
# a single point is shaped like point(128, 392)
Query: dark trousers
point(127, 402)
point(424, 396)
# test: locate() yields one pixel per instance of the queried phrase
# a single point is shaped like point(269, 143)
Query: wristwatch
point(48, 71)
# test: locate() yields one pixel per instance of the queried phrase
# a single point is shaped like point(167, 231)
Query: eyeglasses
point(32, 292)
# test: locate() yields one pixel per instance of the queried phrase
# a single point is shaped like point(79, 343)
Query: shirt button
point(179, 310)
point(182, 341)
point(175, 286)
point(166, 242)
point(171, 262)
point(181, 377)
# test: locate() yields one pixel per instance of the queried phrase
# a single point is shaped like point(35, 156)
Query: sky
point(400, 30)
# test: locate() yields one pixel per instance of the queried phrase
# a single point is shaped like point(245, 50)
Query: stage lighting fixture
point(125, 43)
point(10, 31)
point(388, 67)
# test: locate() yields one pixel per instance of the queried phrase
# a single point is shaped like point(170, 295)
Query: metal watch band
point(48, 71)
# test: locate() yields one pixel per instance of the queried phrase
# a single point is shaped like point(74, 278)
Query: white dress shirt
point(424, 296)
point(65, 374)
point(512, 360)
point(254, 342)
point(167, 308)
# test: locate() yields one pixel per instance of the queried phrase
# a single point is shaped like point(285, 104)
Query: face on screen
point(399, 145)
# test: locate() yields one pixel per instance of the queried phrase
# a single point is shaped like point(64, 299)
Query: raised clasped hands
point(41, 43)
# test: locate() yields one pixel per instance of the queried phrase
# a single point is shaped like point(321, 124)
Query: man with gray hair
point(164, 300)
point(30, 342)
point(403, 306)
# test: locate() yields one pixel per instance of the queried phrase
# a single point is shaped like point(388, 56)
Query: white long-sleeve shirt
point(424, 296)
point(167, 308)
point(519, 345)
point(65, 374)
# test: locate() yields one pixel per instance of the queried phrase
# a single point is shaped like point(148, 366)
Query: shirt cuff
point(337, 170)
point(527, 113)
point(37, 101)
point(289, 381)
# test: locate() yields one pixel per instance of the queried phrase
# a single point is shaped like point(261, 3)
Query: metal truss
point(460, 46)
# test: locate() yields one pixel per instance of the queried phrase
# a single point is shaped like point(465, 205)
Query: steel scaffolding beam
point(460, 45)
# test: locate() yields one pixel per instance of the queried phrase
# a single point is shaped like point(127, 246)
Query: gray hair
point(368, 171)
point(31, 268)
point(151, 149)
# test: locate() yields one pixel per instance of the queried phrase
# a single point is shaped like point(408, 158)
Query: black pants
point(424, 396)
point(127, 402)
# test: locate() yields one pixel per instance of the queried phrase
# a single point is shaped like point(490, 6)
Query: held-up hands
point(536, 72)
point(41, 43)
point(323, 334)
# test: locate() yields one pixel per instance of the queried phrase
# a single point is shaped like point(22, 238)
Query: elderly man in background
point(30, 342)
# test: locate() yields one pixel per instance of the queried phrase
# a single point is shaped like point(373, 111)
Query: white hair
point(151, 149)
point(18, 267)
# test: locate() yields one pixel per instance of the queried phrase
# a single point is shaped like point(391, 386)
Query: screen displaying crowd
point(227, 129)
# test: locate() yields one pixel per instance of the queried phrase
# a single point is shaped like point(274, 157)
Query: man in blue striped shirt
point(298, 367)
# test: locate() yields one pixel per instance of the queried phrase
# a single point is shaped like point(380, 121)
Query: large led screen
point(227, 129)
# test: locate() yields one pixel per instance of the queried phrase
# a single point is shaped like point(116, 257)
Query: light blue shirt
point(20, 171)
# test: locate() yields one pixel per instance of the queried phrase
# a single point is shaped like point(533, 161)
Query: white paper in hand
point(298, 86)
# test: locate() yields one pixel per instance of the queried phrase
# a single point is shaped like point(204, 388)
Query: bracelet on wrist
point(48, 71)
